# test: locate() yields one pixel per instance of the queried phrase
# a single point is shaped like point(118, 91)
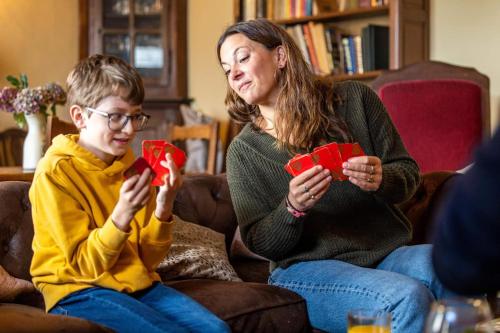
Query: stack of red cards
point(154, 152)
point(330, 156)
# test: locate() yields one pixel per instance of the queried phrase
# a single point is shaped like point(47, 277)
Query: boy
point(99, 238)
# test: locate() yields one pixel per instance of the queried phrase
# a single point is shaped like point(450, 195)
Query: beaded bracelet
point(292, 210)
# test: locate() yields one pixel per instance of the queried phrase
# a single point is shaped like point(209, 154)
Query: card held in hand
point(154, 151)
point(138, 167)
point(331, 156)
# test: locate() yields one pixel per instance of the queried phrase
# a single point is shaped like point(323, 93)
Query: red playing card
point(158, 151)
point(138, 167)
point(148, 148)
point(329, 157)
point(348, 150)
point(299, 164)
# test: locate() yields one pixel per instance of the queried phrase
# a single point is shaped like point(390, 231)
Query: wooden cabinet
point(151, 36)
point(408, 22)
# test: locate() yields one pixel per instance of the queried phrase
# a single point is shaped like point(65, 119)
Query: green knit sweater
point(347, 223)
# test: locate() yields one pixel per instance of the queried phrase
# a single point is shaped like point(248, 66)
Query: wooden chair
point(209, 132)
point(56, 126)
point(441, 111)
point(11, 147)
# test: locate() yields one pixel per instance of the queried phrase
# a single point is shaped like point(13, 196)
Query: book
point(375, 47)
point(310, 48)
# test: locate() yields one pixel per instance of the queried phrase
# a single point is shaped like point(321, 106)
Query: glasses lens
point(117, 121)
point(139, 121)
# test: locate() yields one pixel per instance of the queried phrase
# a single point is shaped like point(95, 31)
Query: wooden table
point(16, 173)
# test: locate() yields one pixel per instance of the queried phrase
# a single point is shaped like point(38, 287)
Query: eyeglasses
point(118, 121)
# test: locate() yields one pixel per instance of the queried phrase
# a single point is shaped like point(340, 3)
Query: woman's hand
point(168, 191)
point(308, 187)
point(364, 172)
point(134, 194)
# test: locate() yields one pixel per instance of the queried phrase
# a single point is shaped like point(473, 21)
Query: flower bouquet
point(21, 100)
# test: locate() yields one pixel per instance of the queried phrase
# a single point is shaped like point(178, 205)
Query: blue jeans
point(156, 309)
point(403, 284)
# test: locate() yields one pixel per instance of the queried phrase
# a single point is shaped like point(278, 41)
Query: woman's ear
point(78, 115)
point(281, 55)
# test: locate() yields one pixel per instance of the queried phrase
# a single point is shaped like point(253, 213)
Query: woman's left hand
point(364, 172)
point(168, 191)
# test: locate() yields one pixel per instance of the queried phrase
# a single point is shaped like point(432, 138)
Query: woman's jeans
point(155, 309)
point(403, 284)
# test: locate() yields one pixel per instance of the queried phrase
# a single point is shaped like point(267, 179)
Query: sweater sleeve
point(155, 239)
point(400, 173)
point(63, 227)
point(267, 228)
point(466, 251)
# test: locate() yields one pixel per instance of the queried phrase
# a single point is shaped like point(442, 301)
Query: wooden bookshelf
point(407, 20)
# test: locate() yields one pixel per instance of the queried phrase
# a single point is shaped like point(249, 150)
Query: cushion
point(249, 307)
point(196, 252)
point(10, 286)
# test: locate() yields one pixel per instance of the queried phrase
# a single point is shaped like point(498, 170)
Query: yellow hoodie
point(76, 245)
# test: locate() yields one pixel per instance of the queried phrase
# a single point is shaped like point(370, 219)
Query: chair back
point(56, 126)
point(208, 132)
point(441, 111)
point(11, 147)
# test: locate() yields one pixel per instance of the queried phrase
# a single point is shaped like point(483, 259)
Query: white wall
point(467, 33)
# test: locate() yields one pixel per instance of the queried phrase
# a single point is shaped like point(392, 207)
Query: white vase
point(34, 143)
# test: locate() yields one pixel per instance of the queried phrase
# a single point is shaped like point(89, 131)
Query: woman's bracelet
point(292, 210)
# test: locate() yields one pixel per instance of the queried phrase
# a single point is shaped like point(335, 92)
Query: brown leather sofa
point(250, 306)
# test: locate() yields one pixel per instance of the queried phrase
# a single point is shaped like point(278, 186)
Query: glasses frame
point(129, 118)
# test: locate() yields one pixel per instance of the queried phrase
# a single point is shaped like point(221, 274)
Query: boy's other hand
point(168, 191)
point(134, 194)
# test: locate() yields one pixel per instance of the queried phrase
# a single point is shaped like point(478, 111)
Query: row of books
point(285, 9)
point(329, 50)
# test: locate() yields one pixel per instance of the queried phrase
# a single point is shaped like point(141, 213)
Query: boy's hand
point(168, 191)
point(134, 194)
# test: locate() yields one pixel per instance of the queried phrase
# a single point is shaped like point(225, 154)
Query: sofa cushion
point(10, 286)
point(196, 252)
point(249, 307)
point(26, 319)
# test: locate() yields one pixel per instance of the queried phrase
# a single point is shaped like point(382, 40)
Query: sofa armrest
point(421, 208)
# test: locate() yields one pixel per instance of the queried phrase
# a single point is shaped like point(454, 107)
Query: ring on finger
point(370, 179)
point(312, 197)
point(372, 171)
point(306, 189)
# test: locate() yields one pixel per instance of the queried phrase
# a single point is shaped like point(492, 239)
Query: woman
point(338, 244)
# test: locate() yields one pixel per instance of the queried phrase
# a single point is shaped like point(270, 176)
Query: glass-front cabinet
point(150, 35)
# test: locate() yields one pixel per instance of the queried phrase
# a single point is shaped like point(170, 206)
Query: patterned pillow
point(197, 252)
point(10, 286)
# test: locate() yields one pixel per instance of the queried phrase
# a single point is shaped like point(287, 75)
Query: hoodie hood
point(67, 147)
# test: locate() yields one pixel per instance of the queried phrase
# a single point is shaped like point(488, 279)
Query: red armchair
point(440, 110)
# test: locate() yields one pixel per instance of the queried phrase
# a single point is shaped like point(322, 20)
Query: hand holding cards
point(154, 152)
point(330, 156)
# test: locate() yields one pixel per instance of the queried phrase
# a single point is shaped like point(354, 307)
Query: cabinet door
point(150, 35)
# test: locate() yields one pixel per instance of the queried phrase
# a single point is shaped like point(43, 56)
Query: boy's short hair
point(100, 76)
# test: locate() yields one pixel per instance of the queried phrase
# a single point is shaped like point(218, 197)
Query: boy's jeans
point(403, 284)
point(155, 309)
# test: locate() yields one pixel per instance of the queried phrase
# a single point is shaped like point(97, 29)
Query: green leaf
point(13, 80)
point(53, 109)
point(20, 119)
point(24, 81)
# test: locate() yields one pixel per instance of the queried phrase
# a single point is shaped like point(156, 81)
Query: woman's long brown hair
point(305, 114)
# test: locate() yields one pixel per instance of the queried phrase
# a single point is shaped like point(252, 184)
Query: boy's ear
point(281, 56)
point(78, 115)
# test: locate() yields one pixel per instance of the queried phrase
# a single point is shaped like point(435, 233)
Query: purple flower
point(7, 97)
point(58, 95)
point(27, 101)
